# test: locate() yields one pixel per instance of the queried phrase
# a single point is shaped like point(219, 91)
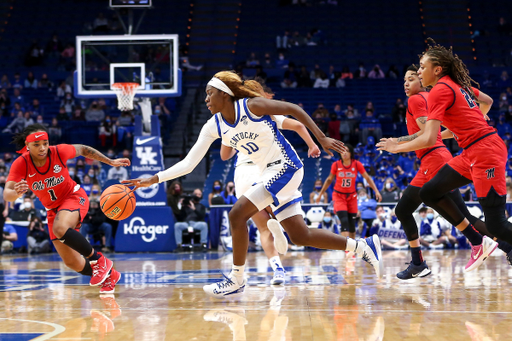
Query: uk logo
point(490, 173)
point(244, 120)
point(146, 155)
point(57, 169)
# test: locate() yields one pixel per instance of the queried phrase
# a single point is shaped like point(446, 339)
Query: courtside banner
point(147, 160)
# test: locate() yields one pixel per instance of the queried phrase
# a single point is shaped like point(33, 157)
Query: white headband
point(218, 84)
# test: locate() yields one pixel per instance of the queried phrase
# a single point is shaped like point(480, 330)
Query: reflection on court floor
point(326, 297)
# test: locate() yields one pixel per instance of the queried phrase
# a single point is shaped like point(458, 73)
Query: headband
point(218, 84)
point(37, 136)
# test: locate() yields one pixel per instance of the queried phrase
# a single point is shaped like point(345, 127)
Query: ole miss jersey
point(346, 175)
point(51, 183)
point(457, 111)
point(417, 107)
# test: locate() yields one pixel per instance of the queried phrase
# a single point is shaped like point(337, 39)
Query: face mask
point(318, 188)
point(363, 197)
point(394, 219)
point(281, 57)
point(504, 98)
point(197, 198)
point(430, 216)
point(27, 206)
point(39, 121)
point(108, 121)
point(71, 173)
point(217, 188)
point(110, 155)
point(327, 220)
point(177, 191)
point(157, 111)
point(95, 191)
point(389, 185)
point(382, 216)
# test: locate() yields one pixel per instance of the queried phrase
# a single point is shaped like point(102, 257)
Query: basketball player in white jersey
point(243, 121)
point(272, 238)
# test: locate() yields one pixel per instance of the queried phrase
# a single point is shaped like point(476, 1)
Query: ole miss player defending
point(483, 160)
point(345, 195)
point(42, 168)
point(432, 160)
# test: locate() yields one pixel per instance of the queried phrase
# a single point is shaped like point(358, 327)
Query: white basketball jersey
point(256, 137)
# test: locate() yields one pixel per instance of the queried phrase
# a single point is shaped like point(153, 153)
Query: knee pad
point(343, 216)
point(428, 193)
point(352, 217)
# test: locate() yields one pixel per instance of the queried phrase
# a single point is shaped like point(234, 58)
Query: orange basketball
point(117, 202)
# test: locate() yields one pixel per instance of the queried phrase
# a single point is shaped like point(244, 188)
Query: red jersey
point(346, 175)
point(457, 111)
point(50, 183)
point(417, 107)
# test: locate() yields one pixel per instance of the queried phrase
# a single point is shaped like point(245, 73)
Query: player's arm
point(260, 106)
point(425, 140)
point(300, 129)
point(91, 153)
point(14, 190)
point(226, 152)
point(446, 134)
point(421, 124)
point(369, 179)
point(485, 102)
point(326, 185)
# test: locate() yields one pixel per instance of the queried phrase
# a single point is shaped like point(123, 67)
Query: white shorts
point(246, 175)
point(278, 187)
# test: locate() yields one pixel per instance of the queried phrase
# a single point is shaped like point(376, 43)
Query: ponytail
point(240, 88)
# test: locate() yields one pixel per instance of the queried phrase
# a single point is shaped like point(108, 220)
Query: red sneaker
point(480, 253)
point(100, 270)
point(109, 286)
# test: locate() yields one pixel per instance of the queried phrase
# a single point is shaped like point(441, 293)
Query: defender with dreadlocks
point(452, 103)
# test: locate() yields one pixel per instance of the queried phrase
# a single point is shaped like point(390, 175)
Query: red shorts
point(484, 163)
point(77, 201)
point(431, 163)
point(345, 202)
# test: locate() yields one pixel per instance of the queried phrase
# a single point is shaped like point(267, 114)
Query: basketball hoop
point(125, 93)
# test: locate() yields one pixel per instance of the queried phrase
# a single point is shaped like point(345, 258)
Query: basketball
point(117, 202)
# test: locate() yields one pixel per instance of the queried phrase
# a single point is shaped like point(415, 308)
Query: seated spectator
point(174, 192)
point(399, 111)
point(320, 120)
point(346, 74)
point(73, 175)
point(194, 213)
point(95, 193)
point(390, 192)
point(267, 62)
point(322, 81)
point(68, 103)
point(366, 209)
point(17, 125)
point(361, 72)
point(54, 46)
point(370, 126)
point(62, 115)
point(4, 82)
point(63, 89)
point(17, 97)
point(28, 119)
point(290, 77)
point(17, 83)
point(36, 108)
point(504, 28)
point(95, 222)
point(434, 233)
point(350, 107)
point(303, 80)
point(9, 237)
point(333, 129)
point(392, 72)
point(117, 173)
point(503, 127)
point(107, 130)
point(328, 223)
point(80, 169)
point(282, 42)
point(100, 24)
point(339, 113)
point(281, 62)
point(30, 81)
point(38, 240)
point(68, 55)
point(185, 64)
point(94, 113)
point(252, 61)
point(228, 194)
point(215, 197)
point(55, 131)
point(78, 114)
point(316, 191)
point(504, 80)
point(44, 82)
point(26, 211)
point(389, 230)
point(87, 184)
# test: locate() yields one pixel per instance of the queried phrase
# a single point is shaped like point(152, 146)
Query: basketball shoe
point(229, 287)
point(372, 254)
point(279, 295)
point(109, 286)
point(278, 277)
point(234, 321)
point(280, 241)
point(414, 271)
point(480, 253)
point(100, 270)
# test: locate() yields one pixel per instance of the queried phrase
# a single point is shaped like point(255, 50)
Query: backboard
point(149, 60)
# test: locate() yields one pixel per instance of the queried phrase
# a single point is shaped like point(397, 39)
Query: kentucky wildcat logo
point(50, 182)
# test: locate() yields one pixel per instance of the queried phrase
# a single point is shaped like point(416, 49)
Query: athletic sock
point(417, 255)
point(95, 256)
point(275, 262)
point(87, 270)
point(237, 271)
point(504, 246)
point(77, 242)
point(356, 246)
point(472, 235)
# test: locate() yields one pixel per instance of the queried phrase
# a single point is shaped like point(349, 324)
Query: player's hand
point(328, 143)
point(378, 196)
point(486, 117)
point(314, 151)
point(389, 145)
point(123, 162)
point(141, 182)
point(319, 198)
point(21, 187)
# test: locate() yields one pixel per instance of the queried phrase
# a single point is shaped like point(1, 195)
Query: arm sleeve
point(334, 169)
point(206, 137)
point(18, 170)
point(440, 98)
point(66, 152)
point(360, 168)
point(279, 119)
point(418, 107)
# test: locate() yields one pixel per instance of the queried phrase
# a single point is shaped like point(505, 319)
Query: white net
point(125, 93)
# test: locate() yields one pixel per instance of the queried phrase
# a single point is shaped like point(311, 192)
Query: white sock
point(356, 246)
point(275, 262)
point(237, 271)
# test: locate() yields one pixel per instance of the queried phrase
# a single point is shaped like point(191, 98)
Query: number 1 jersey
point(51, 183)
point(346, 175)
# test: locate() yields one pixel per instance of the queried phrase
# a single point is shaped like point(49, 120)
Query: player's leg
point(406, 206)
point(352, 215)
point(344, 221)
point(267, 242)
point(73, 259)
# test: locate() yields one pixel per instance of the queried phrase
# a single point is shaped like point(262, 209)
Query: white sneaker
point(229, 287)
point(372, 254)
point(233, 320)
point(279, 295)
point(278, 277)
point(280, 241)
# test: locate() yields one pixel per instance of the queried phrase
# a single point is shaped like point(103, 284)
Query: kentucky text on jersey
point(242, 136)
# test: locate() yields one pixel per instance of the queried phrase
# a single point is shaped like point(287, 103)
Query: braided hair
point(19, 139)
point(452, 65)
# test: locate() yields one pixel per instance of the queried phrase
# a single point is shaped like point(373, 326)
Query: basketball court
point(326, 297)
